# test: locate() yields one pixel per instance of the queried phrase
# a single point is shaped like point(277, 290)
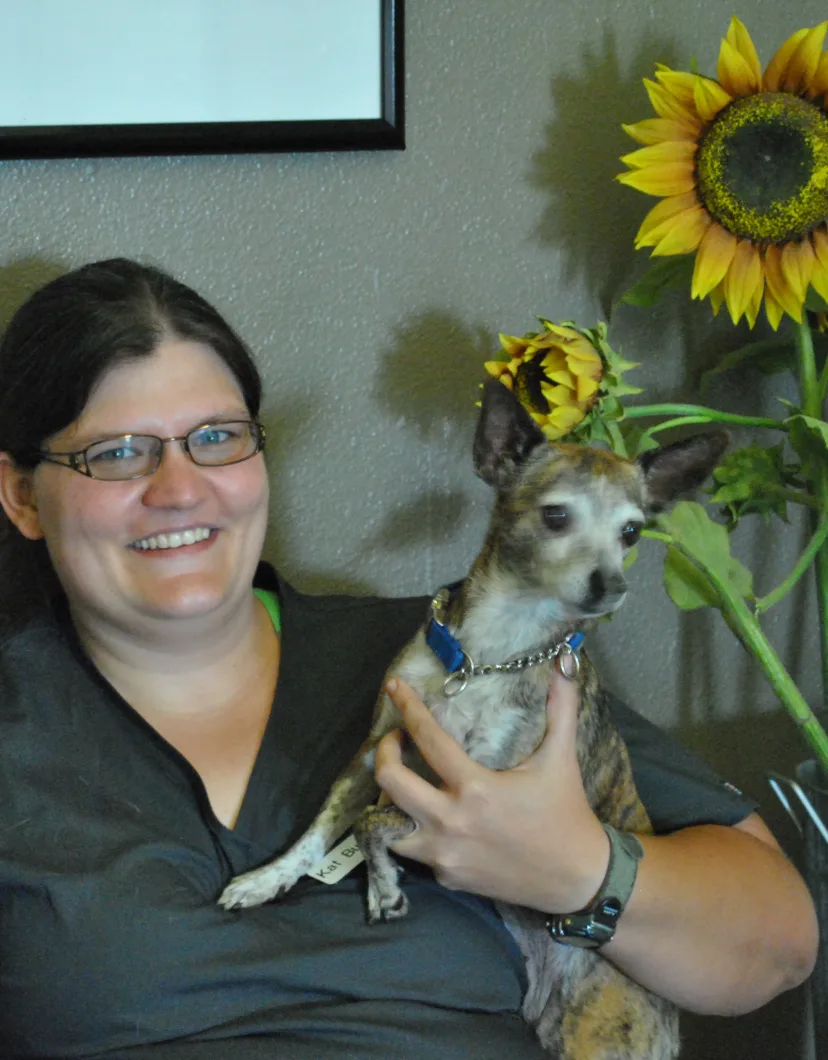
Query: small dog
point(552, 564)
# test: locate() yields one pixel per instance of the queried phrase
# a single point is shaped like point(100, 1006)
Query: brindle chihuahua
point(552, 564)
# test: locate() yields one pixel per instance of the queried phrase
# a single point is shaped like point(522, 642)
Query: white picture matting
point(121, 62)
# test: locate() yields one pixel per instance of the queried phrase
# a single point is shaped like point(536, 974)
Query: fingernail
point(391, 686)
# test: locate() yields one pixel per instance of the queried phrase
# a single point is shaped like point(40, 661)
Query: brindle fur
point(529, 588)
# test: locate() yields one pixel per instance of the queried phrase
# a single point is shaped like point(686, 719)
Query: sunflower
point(555, 373)
point(741, 166)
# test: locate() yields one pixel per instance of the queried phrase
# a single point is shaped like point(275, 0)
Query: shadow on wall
point(429, 379)
point(20, 280)
point(590, 216)
point(25, 572)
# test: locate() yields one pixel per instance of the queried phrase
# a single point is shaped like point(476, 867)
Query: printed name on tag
point(338, 862)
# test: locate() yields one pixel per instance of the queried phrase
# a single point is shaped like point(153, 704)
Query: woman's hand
point(525, 835)
point(719, 921)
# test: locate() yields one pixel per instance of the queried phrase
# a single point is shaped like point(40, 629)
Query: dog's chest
point(499, 719)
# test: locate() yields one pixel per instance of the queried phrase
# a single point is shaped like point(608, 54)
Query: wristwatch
point(594, 926)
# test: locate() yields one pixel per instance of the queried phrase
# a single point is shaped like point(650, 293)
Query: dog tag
point(338, 862)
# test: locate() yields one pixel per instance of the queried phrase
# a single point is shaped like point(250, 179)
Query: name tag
point(338, 862)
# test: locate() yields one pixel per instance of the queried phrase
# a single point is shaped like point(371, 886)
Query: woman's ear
point(17, 497)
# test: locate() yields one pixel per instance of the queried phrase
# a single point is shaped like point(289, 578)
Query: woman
point(164, 727)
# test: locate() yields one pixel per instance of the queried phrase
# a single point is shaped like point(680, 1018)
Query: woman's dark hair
point(57, 346)
point(69, 333)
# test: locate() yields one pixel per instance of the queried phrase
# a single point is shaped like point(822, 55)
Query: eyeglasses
point(136, 455)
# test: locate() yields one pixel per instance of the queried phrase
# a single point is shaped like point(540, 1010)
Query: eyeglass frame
point(78, 460)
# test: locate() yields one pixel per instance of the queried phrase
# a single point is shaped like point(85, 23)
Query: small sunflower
point(555, 374)
point(741, 166)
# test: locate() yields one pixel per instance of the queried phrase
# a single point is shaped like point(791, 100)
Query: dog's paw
point(385, 904)
point(253, 888)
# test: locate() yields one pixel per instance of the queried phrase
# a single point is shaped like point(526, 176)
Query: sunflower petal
point(563, 332)
point(672, 178)
point(735, 73)
point(739, 41)
point(582, 365)
point(717, 298)
point(586, 387)
point(666, 105)
point(554, 360)
point(773, 310)
point(742, 279)
point(661, 212)
point(512, 345)
point(710, 98)
point(776, 68)
point(565, 417)
point(798, 261)
point(819, 82)
point(819, 277)
point(680, 83)
point(563, 376)
point(804, 62)
point(684, 232)
point(656, 130)
point(777, 285)
point(713, 259)
point(755, 304)
point(500, 370)
point(660, 154)
point(556, 395)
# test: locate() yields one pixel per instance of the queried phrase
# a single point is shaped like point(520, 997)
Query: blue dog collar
point(460, 666)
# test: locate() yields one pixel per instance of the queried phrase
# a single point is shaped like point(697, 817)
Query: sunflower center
point(762, 167)
point(527, 385)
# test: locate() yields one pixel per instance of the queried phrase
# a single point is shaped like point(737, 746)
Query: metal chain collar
point(462, 667)
point(569, 666)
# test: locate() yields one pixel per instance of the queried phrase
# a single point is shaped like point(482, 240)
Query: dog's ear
point(506, 434)
point(681, 467)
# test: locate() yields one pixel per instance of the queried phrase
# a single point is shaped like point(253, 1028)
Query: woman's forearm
point(689, 931)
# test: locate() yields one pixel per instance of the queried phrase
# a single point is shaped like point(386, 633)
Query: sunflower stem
point(705, 415)
point(765, 603)
point(812, 406)
point(746, 628)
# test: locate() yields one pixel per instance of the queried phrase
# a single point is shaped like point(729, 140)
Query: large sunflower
point(741, 166)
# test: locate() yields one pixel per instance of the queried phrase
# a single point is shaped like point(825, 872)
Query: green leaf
point(708, 543)
point(638, 439)
point(666, 274)
point(809, 437)
point(686, 585)
point(753, 480)
point(768, 356)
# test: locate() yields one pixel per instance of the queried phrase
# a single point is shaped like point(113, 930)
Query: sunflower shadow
point(430, 377)
point(590, 216)
point(20, 279)
point(436, 517)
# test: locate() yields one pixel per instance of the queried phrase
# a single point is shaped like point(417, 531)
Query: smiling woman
point(175, 714)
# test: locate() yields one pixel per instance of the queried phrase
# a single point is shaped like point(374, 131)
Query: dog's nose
point(605, 587)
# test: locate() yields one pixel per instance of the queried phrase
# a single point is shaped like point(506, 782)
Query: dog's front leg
point(352, 791)
point(374, 830)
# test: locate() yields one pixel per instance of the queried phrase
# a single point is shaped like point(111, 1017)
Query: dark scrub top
point(111, 860)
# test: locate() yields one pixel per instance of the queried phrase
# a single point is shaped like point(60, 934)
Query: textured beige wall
point(373, 286)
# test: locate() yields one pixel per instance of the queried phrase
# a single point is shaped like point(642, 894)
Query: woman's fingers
point(441, 751)
point(402, 785)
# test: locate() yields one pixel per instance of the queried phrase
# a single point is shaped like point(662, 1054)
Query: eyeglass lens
point(133, 455)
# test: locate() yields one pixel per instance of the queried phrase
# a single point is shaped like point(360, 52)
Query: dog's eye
point(556, 517)
point(630, 534)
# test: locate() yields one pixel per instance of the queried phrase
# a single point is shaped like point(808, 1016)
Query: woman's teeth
point(176, 540)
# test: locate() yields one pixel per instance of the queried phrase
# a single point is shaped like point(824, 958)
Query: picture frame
point(101, 78)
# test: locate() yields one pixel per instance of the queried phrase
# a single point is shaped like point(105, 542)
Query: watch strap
point(594, 926)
